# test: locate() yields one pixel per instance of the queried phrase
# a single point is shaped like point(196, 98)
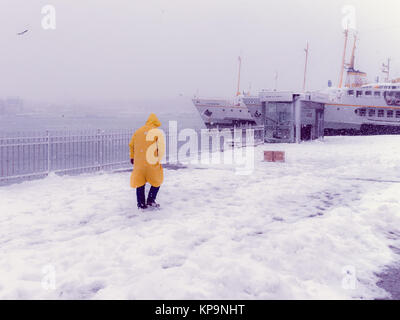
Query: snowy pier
point(321, 225)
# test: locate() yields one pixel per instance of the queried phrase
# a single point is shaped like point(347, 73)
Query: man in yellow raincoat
point(147, 147)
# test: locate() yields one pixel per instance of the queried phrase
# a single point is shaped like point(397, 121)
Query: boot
point(142, 206)
point(152, 204)
point(141, 202)
point(151, 199)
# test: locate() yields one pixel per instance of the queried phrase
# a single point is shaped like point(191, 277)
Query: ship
point(370, 109)
point(223, 113)
point(361, 107)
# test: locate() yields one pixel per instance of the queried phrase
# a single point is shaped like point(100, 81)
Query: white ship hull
point(366, 107)
point(221, 113)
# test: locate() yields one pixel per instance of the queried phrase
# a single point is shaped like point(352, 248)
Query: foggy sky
point(130, 49)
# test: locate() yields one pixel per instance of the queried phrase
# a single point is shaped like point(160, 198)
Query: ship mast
point(351, 65)
point(346, 34)
point(386, 69)
point(238, 84)
point(305, 68)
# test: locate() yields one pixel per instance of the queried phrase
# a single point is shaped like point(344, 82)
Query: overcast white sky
point(130, 49)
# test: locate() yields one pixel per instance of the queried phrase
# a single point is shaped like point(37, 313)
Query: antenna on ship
point(305, 67)
point(346, 35)
point(238, 84)
point(386, 69)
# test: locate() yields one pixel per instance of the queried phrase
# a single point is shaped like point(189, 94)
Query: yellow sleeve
point(131, 147)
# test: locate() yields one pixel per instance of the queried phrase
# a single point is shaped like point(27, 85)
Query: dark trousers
point(141, 197)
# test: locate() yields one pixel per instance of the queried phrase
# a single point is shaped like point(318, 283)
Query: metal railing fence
point(24, 156)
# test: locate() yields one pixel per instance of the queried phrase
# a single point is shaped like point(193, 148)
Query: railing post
point(98, 149)
point(48, 152)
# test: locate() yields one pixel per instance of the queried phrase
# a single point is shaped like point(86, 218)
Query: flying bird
point(23, 32)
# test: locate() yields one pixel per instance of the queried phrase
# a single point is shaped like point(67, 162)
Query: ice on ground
point(318, 226)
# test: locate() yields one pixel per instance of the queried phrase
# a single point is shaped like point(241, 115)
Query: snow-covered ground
point(300, 229)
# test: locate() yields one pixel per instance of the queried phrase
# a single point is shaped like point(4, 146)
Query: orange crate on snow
point(269, 156)
point(279, 156)
point(274, 156)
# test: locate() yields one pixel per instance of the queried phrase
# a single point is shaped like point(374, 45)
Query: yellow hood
point(153, 120)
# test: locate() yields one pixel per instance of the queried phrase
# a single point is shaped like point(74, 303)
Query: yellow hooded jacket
point(147, 147)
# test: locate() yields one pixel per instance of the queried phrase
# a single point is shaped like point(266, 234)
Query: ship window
point(398, 114)
point(368, 93)
point(389, 113)
point(381, 113)
point(377, 93)
point(371, 113)
point(363, 112)
point(350, 92)
point(359, 93)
